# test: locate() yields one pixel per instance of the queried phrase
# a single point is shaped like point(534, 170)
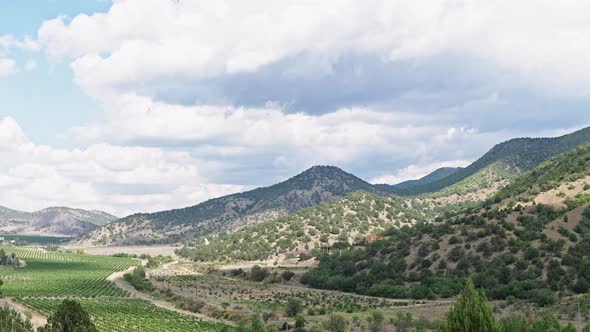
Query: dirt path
point(117, 278)
point(37, 319)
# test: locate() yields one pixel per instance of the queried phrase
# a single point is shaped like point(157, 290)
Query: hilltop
point(53, 221)
point(309, 188)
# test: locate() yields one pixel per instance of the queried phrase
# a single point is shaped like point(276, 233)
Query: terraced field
point(48, 277)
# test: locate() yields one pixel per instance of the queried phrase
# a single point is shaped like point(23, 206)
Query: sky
point(144, 105)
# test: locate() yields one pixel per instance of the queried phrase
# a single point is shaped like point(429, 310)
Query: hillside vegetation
point(312, 187)
point(336, 225)
point(516, 156)
point(510, 248)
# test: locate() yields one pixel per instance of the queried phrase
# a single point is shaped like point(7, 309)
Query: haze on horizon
point(145, 105)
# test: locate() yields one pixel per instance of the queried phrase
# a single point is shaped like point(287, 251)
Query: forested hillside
point(512, 245)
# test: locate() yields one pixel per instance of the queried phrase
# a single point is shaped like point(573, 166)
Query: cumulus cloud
point(146, 42)
point(101, 176)
point(282, 142)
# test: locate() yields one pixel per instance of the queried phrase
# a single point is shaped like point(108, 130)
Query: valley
point(325, 247)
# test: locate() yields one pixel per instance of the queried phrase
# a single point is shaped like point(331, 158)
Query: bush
point(288, 275)
point(258, 274)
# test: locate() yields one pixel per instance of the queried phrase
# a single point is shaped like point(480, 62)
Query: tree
point(294, 307)
point(70, 317)
point(471, 312)
point(11, 320)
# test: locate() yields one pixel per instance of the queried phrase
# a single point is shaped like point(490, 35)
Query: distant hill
point(512, 158)
point(312, 187)
point(434, 176)
point(53, 221)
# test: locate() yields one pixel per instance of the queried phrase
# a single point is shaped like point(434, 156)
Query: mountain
point(434, 176)
point(510, 158)
point(53, 221)
point(312, 187)
point(529, 241)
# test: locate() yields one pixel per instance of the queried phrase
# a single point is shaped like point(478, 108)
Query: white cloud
point(7, 67)
point(414, 172)
point(141, 42)
point(287, 142)
point(101, 176)
point(26, 44)
point(149, 154)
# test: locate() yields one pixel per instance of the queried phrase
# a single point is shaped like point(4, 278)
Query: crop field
point(219, 289)
point(49, 276)
point(123, 315)
point(56, 274)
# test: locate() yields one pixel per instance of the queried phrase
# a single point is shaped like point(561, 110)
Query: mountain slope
point(512, 246)
point(352, 219)
point(54, 221)
point(434, 176)
point(312, 187)
point(514, 156)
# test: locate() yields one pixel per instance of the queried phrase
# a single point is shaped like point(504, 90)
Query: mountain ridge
point(517, 155)
point(309, 188)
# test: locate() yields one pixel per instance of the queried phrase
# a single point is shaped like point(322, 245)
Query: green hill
point(526, 251)
point(515, 157)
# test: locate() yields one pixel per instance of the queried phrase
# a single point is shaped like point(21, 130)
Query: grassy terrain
point(123, 315)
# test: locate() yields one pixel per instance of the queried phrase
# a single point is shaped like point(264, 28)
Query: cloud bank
point(203, 98)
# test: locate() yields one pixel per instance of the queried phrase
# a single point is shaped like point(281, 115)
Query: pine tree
point(470, 313)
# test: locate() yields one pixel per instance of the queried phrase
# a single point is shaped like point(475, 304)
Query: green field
point(56, 274)
point(122, 315)
point(48, 277)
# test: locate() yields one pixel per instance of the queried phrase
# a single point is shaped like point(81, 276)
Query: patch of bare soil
point(556, 197)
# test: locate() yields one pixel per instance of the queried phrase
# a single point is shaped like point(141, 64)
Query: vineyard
point(48, 277)
point(219, 290)
point(123, 315)
point(56, 274)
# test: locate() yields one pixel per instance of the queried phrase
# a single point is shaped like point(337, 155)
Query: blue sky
point(144, 105)
point(44, 101)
